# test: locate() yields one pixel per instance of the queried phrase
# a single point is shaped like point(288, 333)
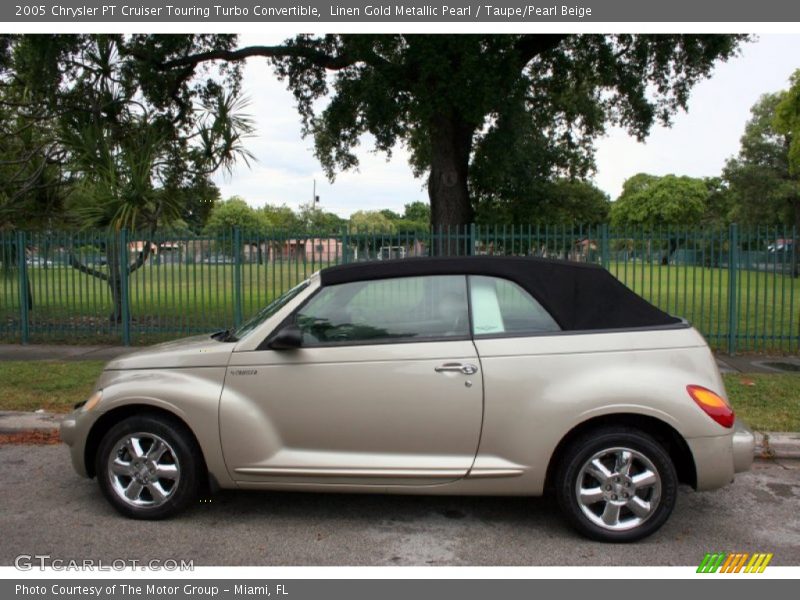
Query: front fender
point(192, 395)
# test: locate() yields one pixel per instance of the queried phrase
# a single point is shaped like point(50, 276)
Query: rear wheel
point(616, 484)
point(148, 467)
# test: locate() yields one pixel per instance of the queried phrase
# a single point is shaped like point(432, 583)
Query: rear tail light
point(714, 405)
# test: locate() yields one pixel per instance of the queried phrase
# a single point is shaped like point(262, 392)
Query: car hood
point(195, 351)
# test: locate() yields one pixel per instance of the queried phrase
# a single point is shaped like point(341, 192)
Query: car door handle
point(467, 369)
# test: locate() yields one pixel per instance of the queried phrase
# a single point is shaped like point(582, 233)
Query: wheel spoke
point(119, 467)
point(156, 451)
point(639, 507)
point(644, 479)
point(598, 470)
point(591, 495)
point(623, 464)
point(134, 447)
point(157, 492)
point(134, 490)
point(611, 514)
point(167, 472)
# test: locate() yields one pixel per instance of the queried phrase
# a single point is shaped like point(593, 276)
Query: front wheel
point(616, 485)
point(148, 468)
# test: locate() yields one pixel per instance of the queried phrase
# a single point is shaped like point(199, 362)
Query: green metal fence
point(738, 286)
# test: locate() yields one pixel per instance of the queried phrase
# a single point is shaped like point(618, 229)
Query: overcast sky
point(697, 144)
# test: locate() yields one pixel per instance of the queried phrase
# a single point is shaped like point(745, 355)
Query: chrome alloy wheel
point(143, 470)
point(618, 489)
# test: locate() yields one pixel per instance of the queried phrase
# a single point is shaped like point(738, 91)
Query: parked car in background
point(38, 261)
point(476, 375)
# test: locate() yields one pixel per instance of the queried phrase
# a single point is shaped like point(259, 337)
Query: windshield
point(269, 310)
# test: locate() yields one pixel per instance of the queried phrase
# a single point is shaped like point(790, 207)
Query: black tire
point(609, 446)
point(182, 456)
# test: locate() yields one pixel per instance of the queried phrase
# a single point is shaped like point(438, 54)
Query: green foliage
point(235, 213)
point(373, 220)
point(787, 121)
point(764, 190)
point(417, 211)
point(560, 202)
point(651, 202)
point(112, 144)
point(319, 221)
point(281, 217)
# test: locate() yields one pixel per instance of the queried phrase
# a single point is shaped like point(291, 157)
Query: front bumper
point(73, 431)
point(744, 445)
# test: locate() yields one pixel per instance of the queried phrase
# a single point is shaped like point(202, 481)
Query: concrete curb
point(769, 444)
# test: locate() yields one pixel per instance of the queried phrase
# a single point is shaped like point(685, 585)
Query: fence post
point(471, 239)
point(22, 273)
point(733, 271)
point(122, 261)
point(237, 277)
point(345, 243)
point(603, 231)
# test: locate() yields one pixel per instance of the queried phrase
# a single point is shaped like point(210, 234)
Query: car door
point(386, 389)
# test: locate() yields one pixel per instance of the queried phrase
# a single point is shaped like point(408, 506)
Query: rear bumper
point(744, 445)
point(717, 459)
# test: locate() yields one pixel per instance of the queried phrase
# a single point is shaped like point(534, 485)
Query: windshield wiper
point(226, 335)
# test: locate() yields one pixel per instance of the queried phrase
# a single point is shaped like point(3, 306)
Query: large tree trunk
point(114, 283)
point(451, 144)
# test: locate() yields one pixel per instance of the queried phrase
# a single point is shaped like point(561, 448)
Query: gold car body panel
point(370, 414)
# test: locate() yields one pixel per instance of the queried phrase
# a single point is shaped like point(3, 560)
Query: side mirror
point(288, 338)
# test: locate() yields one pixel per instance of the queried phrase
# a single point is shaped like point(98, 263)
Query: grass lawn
point(765, 402)
point(52, 385)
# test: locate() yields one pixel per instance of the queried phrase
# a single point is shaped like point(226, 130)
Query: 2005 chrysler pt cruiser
point(472, 375)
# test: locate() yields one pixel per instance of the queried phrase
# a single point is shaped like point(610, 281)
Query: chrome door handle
point(467, 369)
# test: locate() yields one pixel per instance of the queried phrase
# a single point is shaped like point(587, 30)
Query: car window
point(500, 306)
point(402, 309)
point(269, 310)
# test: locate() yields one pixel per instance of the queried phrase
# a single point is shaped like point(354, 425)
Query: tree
point(281, 217)
point(765, 190)
point(787, 122)
point(450, 98)
point(234, 213)
point(417, 212)
point(564, 202)
point(316, 219)
point(653, 202)
point(372, 221)
point(123, 153)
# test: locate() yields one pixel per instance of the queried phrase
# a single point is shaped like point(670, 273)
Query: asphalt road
point(45, 508)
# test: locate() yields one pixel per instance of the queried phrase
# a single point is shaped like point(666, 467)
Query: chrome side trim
point(386, 473)
point(494, 473)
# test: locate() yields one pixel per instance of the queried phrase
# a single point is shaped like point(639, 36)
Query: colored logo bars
point(734, 562)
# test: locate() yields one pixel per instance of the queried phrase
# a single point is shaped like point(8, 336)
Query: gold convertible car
point(471, 375)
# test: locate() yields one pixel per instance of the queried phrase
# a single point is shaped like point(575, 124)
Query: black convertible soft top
point(579, 296)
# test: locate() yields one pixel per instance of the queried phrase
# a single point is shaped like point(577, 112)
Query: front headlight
point(91, 401)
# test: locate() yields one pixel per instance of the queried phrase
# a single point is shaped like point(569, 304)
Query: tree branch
point(76, 264)
point(532, 45)
point(318, 58)
point(141, 258)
